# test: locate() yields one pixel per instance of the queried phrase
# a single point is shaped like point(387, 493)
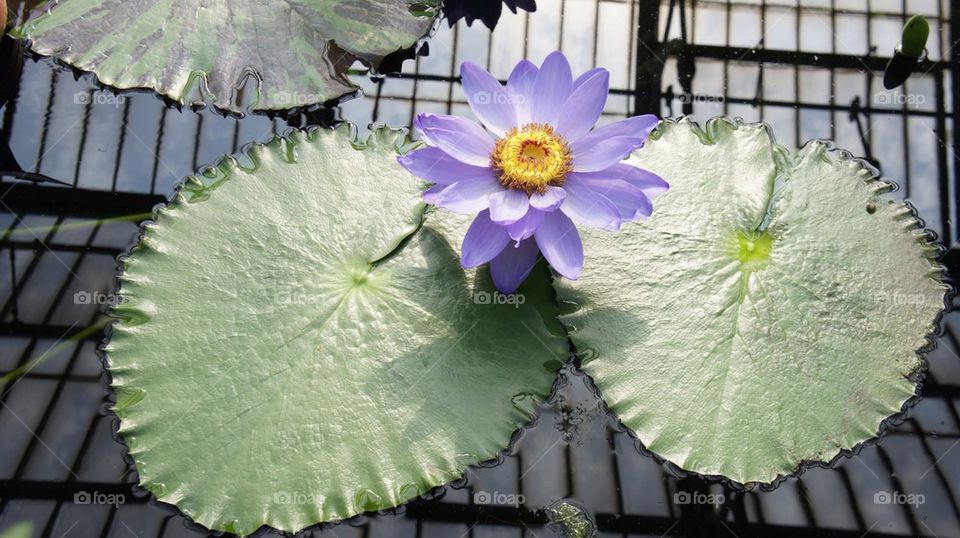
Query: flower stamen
point(531, 158)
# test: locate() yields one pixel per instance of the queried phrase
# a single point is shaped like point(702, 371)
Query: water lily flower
point(537, 170)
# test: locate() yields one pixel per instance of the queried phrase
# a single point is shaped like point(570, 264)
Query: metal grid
point(122, 156)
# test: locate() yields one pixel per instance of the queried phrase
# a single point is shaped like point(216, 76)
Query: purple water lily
point(537, 168)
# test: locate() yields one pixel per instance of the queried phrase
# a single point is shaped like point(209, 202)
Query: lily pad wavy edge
point(195, 187)
point(200, 184)
point(118, 399)
point(208, 99)
point(907, 215)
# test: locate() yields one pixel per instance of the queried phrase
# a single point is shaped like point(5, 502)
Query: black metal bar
point(45, 331)
point(36, 245)
point(954, 63)
point(818, 59)
point(41, 489)
point(649, 59)
point(753, 101)
point(63, 202)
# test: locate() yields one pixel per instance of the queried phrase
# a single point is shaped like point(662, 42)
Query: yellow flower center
point(531, 158)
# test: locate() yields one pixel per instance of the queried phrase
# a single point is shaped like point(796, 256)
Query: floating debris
point(909, 53)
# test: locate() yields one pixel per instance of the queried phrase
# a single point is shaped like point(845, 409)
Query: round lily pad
point(295, 346)
point(770, 311)
point(201, 51)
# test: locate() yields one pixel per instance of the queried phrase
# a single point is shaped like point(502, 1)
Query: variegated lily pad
point(297, 51)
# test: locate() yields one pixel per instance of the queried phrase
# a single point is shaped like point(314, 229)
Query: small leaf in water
point(570, 520)
point(915, 34)
point(908, 54)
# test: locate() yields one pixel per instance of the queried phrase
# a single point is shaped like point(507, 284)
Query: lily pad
point(295, 347)
point(769, 313)
point(297, 51)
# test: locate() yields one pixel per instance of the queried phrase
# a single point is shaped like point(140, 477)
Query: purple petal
point(587, 206)
point(508, 206)
point(513, 265)
point(487, 98)
point(468, 197)
point(553, 87)
point(549, 200)
point(525, 227)
point(633, 205)
point(604, 154)
point(586, 76)
point(484, 240)
point(462, 139)
point(584, 106)
point(436, 166)
point(560, 244)
point(430, 195)
point(651, 184)
point(520, 85)
point(631, 202)
point(635, 127)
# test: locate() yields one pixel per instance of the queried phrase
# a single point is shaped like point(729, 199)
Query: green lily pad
point(767, 314)
point(197, 51)
point(294, 347)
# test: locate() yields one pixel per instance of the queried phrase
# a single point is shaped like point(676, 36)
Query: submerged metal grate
point(805, 69)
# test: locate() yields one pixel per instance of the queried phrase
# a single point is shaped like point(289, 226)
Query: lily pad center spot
point(753, 250)
point(359, 279)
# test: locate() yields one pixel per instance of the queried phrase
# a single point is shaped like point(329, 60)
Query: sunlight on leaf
point(292, 348)
point(767, 314)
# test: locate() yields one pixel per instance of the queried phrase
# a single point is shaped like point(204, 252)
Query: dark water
point(119, 154)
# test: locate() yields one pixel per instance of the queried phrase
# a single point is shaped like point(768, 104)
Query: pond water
point(810, 71)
